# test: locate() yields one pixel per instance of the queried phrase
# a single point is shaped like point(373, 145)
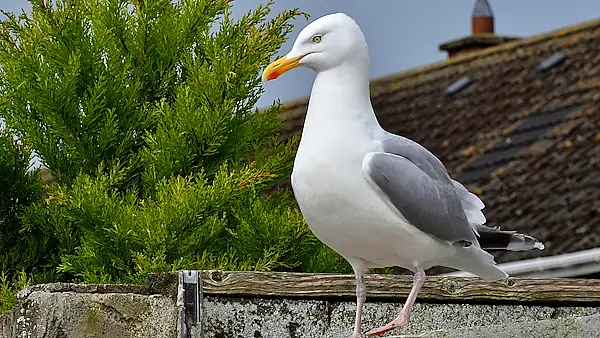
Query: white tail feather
point(471, 204)
point(474, 260)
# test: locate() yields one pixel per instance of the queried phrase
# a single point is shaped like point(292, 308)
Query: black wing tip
point(494, 239)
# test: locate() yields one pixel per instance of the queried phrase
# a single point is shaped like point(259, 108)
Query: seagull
point(376, 198)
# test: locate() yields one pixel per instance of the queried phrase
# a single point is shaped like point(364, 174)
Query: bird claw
point(380, 330)
point(402, 319)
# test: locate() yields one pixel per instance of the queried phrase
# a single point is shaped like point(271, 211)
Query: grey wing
point(434, 168)
point(430, 204)
point(416, 153)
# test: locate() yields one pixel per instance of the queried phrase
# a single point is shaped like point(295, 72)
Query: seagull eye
point(316, 39)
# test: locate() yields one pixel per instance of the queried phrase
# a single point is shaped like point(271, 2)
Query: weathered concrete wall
point(588, 326)
point(77, 311)
point(93, 311)
point(279, 318)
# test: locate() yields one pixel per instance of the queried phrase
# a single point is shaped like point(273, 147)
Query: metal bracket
point(191, 310)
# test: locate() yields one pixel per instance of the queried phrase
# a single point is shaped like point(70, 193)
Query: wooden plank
point(396, 288)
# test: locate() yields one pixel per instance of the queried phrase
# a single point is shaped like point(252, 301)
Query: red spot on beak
point(275, 74)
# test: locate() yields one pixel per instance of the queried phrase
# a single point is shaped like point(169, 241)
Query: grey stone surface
point(575, 327)
point(46, 311)
point(288, 318)
point(77, 311)
point(7, 318)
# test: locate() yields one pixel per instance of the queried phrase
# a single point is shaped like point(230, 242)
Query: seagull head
point(324, 44)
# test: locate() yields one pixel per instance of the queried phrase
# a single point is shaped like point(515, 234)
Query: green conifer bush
point(144, 113)
point(19, 188)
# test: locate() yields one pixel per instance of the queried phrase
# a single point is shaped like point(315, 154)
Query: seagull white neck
point(342, 93)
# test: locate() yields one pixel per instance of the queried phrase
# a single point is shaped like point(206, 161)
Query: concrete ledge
point(278, 318)
point(284, 305)
point(61, 310)
point(580, 327)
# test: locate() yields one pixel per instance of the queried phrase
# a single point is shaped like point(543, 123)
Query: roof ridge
point(561, 32)
point(405, 74)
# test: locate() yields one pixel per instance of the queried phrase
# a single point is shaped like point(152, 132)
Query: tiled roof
point(523, 136)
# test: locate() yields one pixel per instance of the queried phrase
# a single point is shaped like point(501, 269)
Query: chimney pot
point(482, 19)
point(482, 25)
point(482, 33)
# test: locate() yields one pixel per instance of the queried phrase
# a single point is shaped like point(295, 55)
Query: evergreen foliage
point(143, 111)
point(9, 289)
point(19, 189)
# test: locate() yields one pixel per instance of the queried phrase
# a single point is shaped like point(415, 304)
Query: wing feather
point(431, 205)
point(471, 204)
point(434, 168)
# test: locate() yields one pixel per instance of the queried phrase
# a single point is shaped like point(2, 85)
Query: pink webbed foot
point(402, 319)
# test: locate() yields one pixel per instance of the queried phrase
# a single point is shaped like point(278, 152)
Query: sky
point(405, 34)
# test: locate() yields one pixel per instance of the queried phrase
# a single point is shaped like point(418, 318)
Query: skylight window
point(550, 63)
point(458, 86)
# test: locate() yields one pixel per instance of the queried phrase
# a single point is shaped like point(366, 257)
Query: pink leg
point(404, 316)
point(361, 295)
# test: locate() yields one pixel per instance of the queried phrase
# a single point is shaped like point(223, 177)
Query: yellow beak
point(279, 67)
